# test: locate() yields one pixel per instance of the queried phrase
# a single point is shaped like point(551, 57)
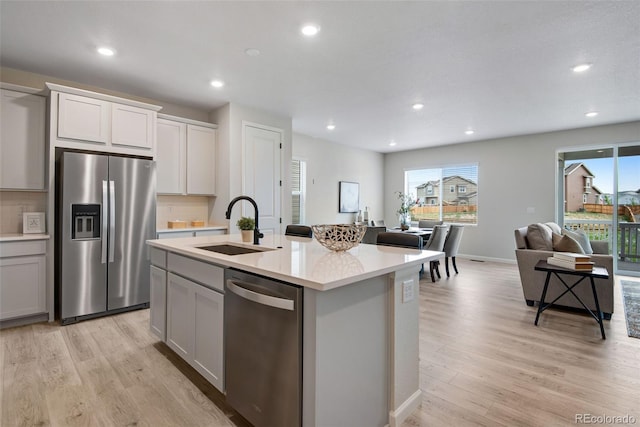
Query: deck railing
point(628, 236)
point(629, 241)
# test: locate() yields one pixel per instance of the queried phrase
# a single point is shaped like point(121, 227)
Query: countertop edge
point(17, 237)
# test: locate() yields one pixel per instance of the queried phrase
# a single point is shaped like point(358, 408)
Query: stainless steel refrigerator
point(106, 207)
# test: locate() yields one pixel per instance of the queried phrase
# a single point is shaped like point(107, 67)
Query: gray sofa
point(533, 281)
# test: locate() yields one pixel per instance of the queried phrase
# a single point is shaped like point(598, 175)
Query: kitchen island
point(359, 319)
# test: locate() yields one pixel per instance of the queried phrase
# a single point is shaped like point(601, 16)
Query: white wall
point(514, 174)
point(327, 164)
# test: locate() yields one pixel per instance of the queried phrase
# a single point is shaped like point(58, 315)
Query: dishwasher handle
point(282, 303)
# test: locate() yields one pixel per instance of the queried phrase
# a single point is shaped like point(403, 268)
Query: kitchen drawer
point(206, 274)
point(210, 232)
point(21, 248)
point(159, 258)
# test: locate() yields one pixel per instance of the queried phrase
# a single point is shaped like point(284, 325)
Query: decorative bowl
point(339, 237)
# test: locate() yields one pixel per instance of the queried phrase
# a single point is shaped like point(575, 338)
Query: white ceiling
point(501, 68)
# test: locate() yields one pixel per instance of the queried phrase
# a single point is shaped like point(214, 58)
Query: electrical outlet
point(407, 291)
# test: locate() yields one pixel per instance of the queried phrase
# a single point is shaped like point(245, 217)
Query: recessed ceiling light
point(417, 106)
point(469, 132)
point(392, 143)
point(581, 68)
point(217, 83)
point(310, 30)
point(252, 51)
point(106, 51)
point(331, 126)
point(591, 114)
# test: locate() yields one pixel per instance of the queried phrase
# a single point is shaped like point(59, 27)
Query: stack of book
point(571, 261)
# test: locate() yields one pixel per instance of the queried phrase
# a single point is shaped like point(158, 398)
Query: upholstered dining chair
point(403, 240)
point(436, 243)
point(299, 231)
point(428, 223)
point(451, 245)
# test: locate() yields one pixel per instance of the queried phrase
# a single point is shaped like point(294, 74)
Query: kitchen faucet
point(256, 231)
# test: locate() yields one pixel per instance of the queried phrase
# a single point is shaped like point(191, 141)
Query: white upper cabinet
point(201, 160)
point(83, 118)
point(185, 157)
point(132, 126)
point(22, 141)
point(171, 157)
point(92, 121)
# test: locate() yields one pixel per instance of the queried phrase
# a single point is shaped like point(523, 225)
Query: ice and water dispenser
point(86, 222)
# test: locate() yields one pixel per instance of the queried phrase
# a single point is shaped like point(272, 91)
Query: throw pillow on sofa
point(539, 237)
point(581, 237)
point(555, 228)
point(564, 243)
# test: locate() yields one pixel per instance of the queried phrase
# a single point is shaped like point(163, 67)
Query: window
point(458, 205)
point(584, 198)
point(298, 190)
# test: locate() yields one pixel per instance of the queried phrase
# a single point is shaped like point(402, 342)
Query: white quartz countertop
point(204, 227)
point(16, 237)
point(302, 261)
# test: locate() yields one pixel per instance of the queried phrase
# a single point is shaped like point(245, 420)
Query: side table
point(597, 272)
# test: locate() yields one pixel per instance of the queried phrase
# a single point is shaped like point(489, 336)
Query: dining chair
point(298, 230)
point(436, 243)
point(402, 240)
point(428, 223)
point(451, 245)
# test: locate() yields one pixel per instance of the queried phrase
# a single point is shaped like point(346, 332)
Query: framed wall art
point(349, 197)
point(33, 222)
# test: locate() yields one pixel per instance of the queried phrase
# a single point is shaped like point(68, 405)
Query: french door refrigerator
point(106, 211)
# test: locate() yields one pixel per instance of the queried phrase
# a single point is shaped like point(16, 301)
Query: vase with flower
point(406, 203)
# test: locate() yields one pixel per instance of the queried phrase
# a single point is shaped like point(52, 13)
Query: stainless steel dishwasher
point(263, 349)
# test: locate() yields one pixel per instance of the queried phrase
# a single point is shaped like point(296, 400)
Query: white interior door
point(262, 175)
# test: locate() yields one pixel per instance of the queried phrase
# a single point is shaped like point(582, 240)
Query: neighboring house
point(579, 188)
point(627, 197)
point(457, 191)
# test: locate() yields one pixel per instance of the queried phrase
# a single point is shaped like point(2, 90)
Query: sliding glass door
point(599, 192)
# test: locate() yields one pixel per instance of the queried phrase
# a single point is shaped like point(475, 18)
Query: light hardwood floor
point(482, 362)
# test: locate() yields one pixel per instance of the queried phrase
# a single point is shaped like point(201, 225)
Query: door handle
point(103, 211)
point(282, 303)
point(112, 220)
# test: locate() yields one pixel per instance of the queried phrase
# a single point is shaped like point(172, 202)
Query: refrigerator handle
point(112, 220)
point(105, 202)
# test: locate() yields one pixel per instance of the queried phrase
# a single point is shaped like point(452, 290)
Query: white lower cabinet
point(195, 326)
point(158, 302)
point(22, 279)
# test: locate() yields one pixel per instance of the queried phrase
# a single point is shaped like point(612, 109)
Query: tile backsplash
point(14, 203)
point(185, 208)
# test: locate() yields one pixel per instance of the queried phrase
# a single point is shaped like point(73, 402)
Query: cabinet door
point(132, 126)
point(22, 286)
point(201, 160)
point(208, 330)
point(180, 316)
point(83, 118)
point(158, 302)
point(171, 157)
point(22, 141)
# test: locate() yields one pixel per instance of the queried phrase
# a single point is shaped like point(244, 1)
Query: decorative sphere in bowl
point(339, 237)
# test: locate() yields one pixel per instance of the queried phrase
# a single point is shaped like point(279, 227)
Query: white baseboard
point(397, 417)
point(484, 258)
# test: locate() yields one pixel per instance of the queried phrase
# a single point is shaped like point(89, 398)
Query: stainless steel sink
point(227, 249)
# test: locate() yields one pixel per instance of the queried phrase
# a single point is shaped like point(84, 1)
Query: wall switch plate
point(407, 291)
point(531, 210)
